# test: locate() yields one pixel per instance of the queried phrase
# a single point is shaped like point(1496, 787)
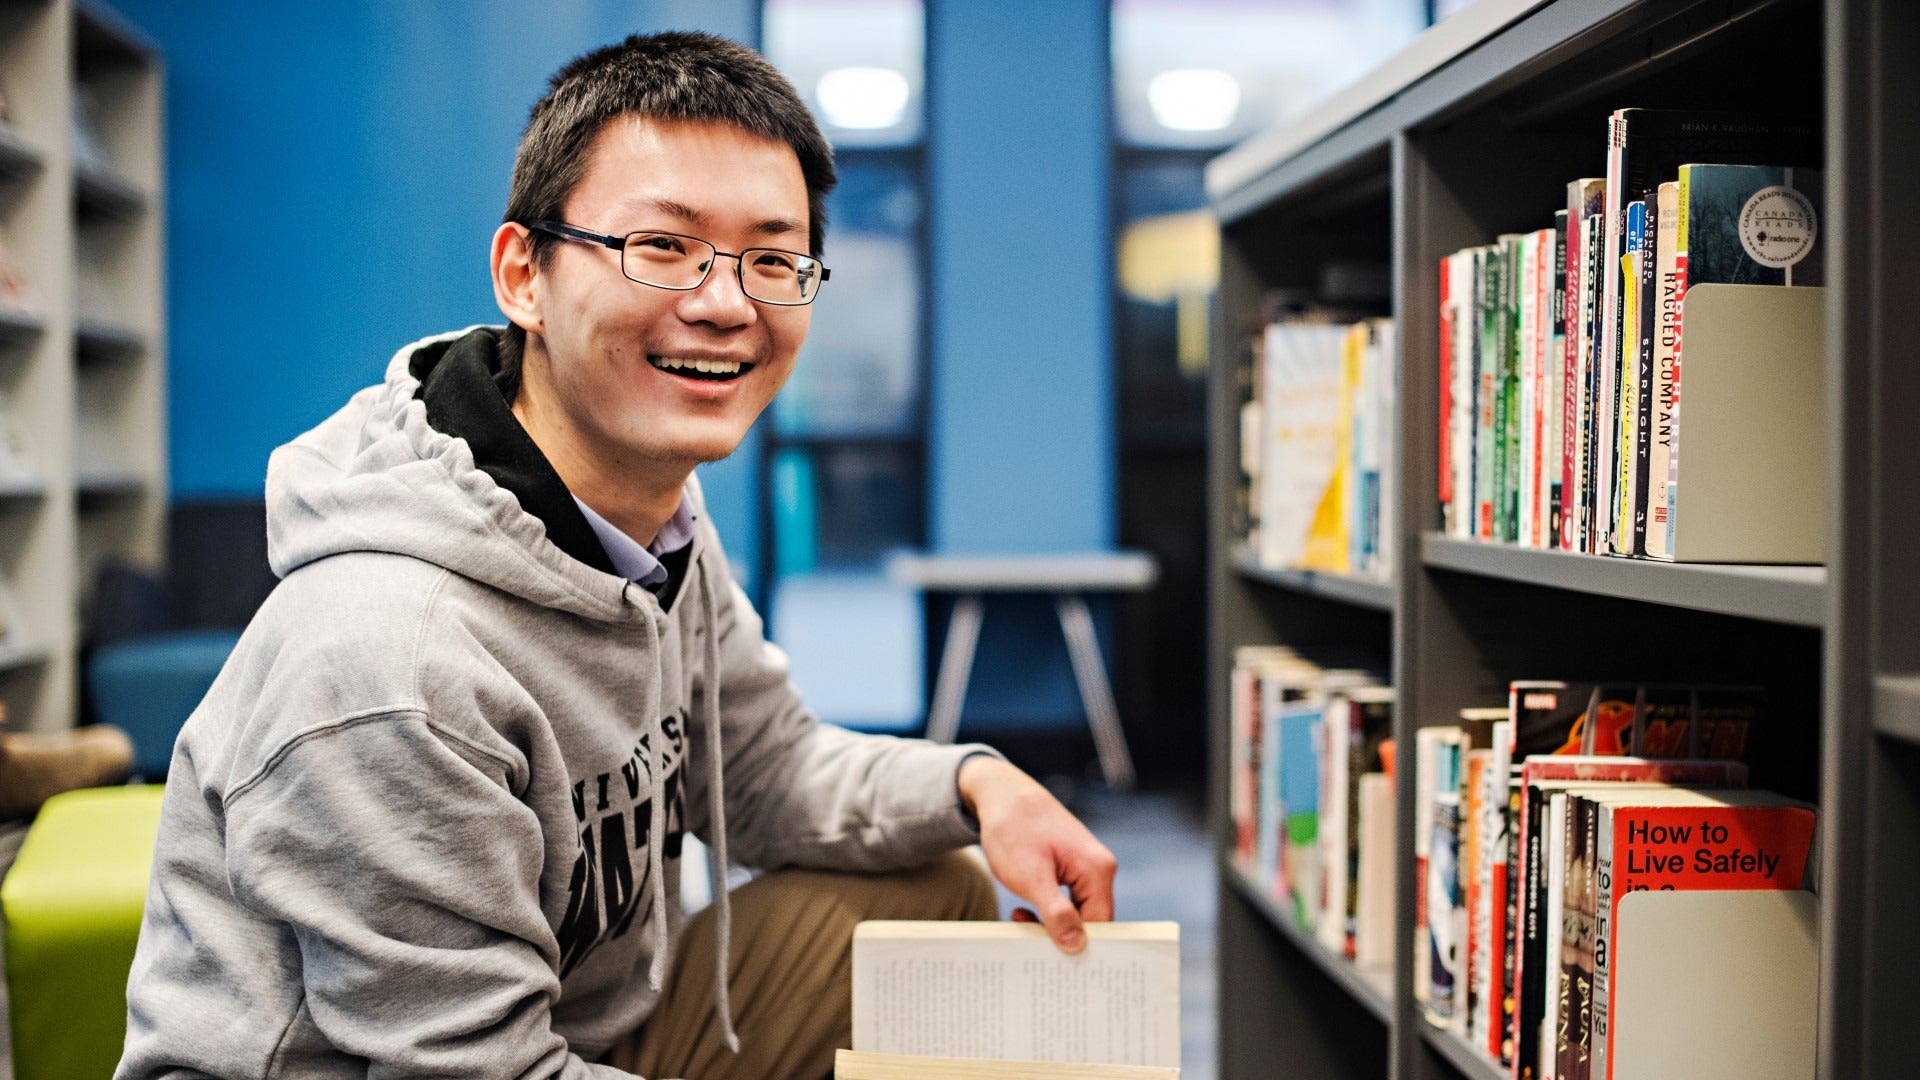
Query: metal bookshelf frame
point(1481, 139)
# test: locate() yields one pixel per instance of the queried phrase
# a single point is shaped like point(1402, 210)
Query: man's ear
point(516, 285)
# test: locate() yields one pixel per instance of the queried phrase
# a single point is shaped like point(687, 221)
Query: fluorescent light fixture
point(1193, 99)
point(863, 98)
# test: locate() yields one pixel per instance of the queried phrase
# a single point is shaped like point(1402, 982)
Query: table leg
point(956, 667)
point(1103, 716)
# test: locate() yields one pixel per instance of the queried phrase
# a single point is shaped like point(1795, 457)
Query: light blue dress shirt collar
point(638, 564)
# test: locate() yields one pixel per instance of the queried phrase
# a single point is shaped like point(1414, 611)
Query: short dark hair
point(677, 75)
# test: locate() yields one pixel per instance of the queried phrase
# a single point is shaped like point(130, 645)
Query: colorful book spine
point(1487, 264)
point(1626, 383)
point(1656, 480)
point(1555, 466)
point(1509, 436)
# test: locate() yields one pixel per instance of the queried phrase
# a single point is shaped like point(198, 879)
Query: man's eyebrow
point(774, 226)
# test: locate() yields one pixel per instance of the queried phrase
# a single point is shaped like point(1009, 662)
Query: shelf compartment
point(22, 487)
point(1372, 989)
point(1362, 592)
point(18, 159)
point(98, 339)
point(14, 656)
point(1794, 595)
point(97, 191)
point(1461, 1054)
point(20, 327)
point(104, 484)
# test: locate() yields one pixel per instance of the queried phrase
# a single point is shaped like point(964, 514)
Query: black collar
point(464, 400)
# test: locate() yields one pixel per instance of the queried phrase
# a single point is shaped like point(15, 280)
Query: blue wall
point(1021, 448)
point(335, 172)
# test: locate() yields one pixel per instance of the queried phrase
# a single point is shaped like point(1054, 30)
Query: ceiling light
point(863, 98)
point(1193, 99)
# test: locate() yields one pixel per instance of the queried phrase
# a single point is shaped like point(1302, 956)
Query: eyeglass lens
point(670, 261)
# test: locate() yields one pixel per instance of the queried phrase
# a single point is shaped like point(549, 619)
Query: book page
point(854, 1065)
point(1002, 990)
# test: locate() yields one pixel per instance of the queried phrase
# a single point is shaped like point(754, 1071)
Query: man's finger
point(1093, 887)
point(1062, 920)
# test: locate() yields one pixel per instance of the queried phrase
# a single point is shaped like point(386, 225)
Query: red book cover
point(1690, 849)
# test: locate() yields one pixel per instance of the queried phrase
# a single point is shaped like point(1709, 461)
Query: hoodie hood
point(377, 476)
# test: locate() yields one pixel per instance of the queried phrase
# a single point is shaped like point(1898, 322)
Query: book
point(1538, 777)
point(1553, 448)
point(1663, 391)
point(1507, 438)
point(1004, 991)
point(1647, 295)
point(1590, 275)
point(1648, 146)
point(1584, 200)
point(1733, 225)
point(1358, 721)
point(854, 1065)
point(1486, 374)
point(1626, 395)
point(1449, 294)
point(1678, 843)
point(1373, 934)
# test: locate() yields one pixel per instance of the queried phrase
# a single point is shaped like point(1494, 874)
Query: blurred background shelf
point(1371, 988)
point(1364, 592)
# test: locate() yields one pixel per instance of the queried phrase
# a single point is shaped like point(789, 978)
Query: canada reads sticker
point(1777, 226)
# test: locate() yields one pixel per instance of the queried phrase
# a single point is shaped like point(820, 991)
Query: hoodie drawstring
point(656, 863)
point(716, 809)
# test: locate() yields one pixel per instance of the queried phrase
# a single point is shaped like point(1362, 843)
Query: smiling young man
point(428, 821)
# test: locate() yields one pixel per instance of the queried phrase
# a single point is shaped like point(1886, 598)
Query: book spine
point(1473, 877)
point(1510, 377)
point(1590, 275)
point(1504, 267)
point(1553, 1032)
point(1486, 365)
point(1680, 279)
point(1665, 390)
point(1449, 513)
point(1613, 239)
point(1645, 326)
point(1510, 936)
point(1603, 907)
point(1529, 412)
point(1559, 466)
point(1465, 379)
point(1626, 384)
point(1443, 908)
point(1531, 977)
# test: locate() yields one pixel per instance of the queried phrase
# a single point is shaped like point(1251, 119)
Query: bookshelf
point(82, 369)
point(1474, 131)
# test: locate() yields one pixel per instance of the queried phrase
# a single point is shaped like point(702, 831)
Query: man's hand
point(1034, 846)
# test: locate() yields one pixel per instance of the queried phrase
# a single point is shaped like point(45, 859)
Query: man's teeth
point(714, 367)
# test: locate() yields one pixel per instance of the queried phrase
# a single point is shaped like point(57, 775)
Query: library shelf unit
point(82, 370)
point(1474, 130)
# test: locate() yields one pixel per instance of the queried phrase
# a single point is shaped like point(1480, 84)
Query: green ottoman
point(72, 904)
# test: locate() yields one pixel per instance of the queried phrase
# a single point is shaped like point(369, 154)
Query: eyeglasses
point(671, 261)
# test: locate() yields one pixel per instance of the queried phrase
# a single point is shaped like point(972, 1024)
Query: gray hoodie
point(427, 821)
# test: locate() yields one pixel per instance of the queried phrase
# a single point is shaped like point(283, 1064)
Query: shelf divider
point(1795, 595)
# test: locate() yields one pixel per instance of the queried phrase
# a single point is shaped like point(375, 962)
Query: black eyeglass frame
point(619, 244)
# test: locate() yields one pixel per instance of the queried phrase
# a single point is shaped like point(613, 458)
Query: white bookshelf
point(83, 368)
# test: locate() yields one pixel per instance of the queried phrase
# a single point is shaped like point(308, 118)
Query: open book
point(1001, 996)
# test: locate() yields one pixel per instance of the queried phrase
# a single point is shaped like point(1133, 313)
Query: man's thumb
point(1063, 924)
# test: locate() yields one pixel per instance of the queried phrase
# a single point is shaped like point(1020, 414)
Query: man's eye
point(660, 243)
point(773, 260)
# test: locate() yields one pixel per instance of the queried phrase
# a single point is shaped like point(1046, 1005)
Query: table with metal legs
point(1067, 578)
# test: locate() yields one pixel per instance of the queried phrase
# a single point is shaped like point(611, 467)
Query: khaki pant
point(791, 974)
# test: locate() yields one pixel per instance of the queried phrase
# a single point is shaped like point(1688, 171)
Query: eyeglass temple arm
point(562, 229)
